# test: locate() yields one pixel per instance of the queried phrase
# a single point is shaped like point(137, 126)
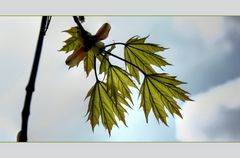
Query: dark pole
point(22, 135)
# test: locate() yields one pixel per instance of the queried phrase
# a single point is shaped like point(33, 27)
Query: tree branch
point(48, 22)
point(22, 135)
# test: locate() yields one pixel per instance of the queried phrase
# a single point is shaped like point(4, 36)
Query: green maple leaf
point(89, 58)
point(105, 61)
point(159, 91)
point(118, 109)
point(119, 80)
point(73, 42)
point(101, 104)
point(142, 55)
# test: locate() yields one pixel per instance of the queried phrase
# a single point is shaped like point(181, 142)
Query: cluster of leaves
point(110, 96)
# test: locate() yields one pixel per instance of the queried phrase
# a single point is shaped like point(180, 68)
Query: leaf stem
point(118, 43)
point(106, 58)
point(95, 68)
point(82, 30)
point(126, 62)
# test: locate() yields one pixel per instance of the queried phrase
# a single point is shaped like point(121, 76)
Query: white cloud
point(214, 115)
point(209, 36)
point(208, 28)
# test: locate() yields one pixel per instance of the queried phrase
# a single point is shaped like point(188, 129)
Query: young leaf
point(158, 92)
point(168, 85)
point(139, 43)
point(87, 46)
point(105, 61)
point(151, 100)
point(118, 109)
point(73, 42)
point(142, 55)
point(89, 59)
point(119, 80)
point(104, 64)
point(100, 104)
point(120, 112)
point(74, 31)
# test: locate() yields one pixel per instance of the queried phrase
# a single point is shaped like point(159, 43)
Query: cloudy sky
point(203, 50)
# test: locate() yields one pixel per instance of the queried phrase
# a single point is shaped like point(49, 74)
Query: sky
point(203, 51)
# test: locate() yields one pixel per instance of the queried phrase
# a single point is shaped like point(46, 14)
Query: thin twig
point(95, 68)
point(88, 39)
point(126, 62)
point(117, 43)
point(106, 58)
point(82, 30)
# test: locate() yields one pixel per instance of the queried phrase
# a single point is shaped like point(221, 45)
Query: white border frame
point(119, 7)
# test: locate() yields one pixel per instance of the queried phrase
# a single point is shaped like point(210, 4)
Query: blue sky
point(203, 50)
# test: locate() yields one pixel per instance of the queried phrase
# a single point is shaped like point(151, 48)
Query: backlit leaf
point(100, 104)
point(89, 59)
point(73, 42)
point(142, 55)
point(104, 61)
point(158, 92)
point(118, 108)
point(120, 112)
point(139, 43)
point(119, 80)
